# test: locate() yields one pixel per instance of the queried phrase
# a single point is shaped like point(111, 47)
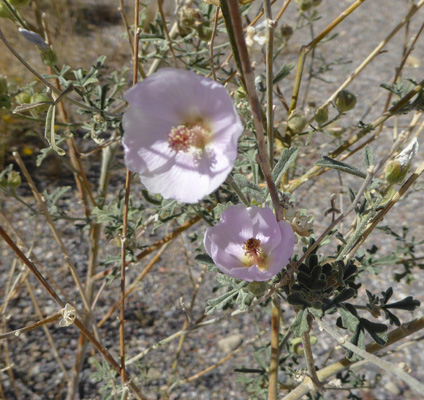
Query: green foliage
point(109, 386)
point(52, 200)
point(328, 162)
point(236, 293)
point(288, 157)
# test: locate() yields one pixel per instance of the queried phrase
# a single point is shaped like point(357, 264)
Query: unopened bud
point(345, 101)
point(297, 121)
point(258, 289)
point(396, 169)
point(321, 115)
point(14, 180)
point(5, 101)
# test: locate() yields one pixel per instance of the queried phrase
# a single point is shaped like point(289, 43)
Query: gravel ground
point(154, 311)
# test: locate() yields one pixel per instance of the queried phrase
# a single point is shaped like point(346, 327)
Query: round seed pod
point(345, 101)
point(321, 115)
point(297, 121)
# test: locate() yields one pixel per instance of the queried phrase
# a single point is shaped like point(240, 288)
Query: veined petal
point(160, 104)
point(253, 235)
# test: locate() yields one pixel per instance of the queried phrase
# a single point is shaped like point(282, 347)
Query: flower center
point(255, 254)
point(188, 137)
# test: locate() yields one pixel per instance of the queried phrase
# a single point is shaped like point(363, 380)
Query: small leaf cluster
point(236, 293)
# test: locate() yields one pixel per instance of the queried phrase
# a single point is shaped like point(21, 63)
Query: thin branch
point(275, 350)
point(48, 84)
point(325, 373)
point(383, 364)
point(233, 19)
point(28, 328)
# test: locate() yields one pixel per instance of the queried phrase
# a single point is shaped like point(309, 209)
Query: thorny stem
point(233, 19)
point(275, 349)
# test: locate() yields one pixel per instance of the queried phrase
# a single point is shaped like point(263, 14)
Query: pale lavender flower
point(249, 243)
point(181, 133)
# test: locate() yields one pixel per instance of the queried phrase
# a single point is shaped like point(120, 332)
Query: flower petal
point(224, 242)
point(163, 101)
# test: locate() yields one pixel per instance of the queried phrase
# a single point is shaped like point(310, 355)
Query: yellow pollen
point(254, 254)
point(185, 137)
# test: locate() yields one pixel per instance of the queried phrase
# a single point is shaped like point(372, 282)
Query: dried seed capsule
point(297, 121)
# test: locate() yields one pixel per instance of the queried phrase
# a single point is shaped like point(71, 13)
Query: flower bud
point(23, 97)
point(3, 85)
point(14, 180)
point(321, 115)
point(5, 101)
point(345, 101)
point(39, 98)
point(297, 121)
point(396, 169)
point(19, 3)
point(258, 289)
